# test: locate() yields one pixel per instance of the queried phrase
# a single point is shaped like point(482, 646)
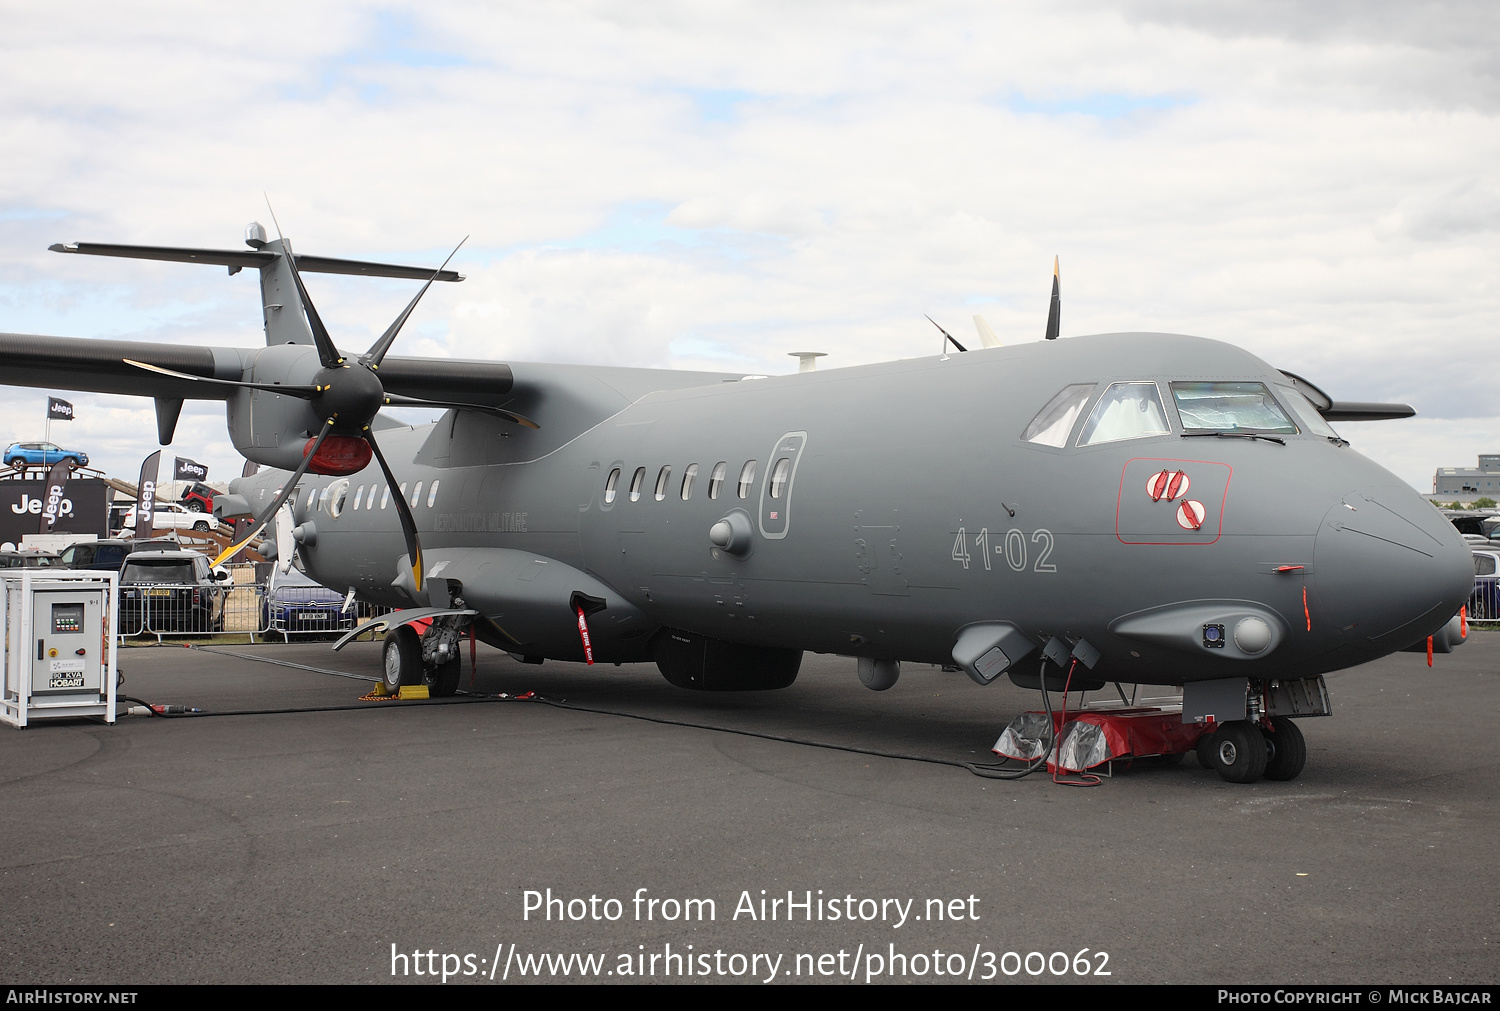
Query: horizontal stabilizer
point(253, 258)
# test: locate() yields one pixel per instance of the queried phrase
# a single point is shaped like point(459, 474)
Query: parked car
point(294, 603)
point(198, 498)
point(1484, 603)
point(28, 559)
point(172, 516)
point(172, 591)
point(104, 555)
point(21, 455)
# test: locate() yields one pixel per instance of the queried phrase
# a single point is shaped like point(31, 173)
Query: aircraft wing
point(99, 366)
point(1347, 410)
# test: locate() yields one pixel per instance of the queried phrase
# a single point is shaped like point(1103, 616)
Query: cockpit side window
point(1306, 413)
point(1054, 423)
point(1126, 411)
point(1230, 407)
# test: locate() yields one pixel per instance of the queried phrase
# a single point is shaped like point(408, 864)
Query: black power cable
point(996, 771)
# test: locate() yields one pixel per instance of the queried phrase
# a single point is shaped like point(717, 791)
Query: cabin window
point(323, 499)
point(432, 494)
point(747, 478)
point(716, 479)
point(1054, 423)
point(359, 494)
point(416, 494)
point(611, 485)
point(688, 477)
point(1306, 413)
point(661, 482)
point(1126, 411)
point(779, 475)
point(312, 494)
point(636, 480)
point(1230, 407)
point(370, 502)
point(385, 496)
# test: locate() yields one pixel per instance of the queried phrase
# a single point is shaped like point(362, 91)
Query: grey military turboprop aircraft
point(1136, 507)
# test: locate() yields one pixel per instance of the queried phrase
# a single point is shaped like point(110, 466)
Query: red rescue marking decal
point(1178, 485)
point(1305, 612)
point(1190, 515)
point(1429, 651)
point(1463, 621)
point(583, 633)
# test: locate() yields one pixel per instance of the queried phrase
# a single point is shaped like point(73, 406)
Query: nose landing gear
point(1243, 751)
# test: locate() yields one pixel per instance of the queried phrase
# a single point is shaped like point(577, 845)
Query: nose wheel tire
point(403, 659)
point(1237, 752)
point(1286, 749)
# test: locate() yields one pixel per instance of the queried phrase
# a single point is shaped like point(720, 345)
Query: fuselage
point(892, 505)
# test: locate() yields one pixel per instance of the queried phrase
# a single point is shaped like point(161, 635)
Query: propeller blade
point(403, 509)
point(281, 497)
point(300, 392)
point(396, 400)
point(945, 333)
point(377, 350)
point(328, 354)
point(1054, 311)
point(986, 335)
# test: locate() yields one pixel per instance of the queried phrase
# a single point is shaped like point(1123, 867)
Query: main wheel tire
point(195, 506)
point(1286, 748)
point(1203, 749)
point(18, 464)
point(201, 526)
point(445, 678)
point(1238, 752)
point(403, 659)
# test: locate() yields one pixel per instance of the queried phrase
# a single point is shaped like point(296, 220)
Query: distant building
point(1469, 483)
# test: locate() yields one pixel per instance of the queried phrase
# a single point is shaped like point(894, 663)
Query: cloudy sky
point(716, 184)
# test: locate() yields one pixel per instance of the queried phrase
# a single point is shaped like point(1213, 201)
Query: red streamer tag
point(583, 633)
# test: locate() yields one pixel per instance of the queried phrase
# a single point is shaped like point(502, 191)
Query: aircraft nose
point(1389, 569)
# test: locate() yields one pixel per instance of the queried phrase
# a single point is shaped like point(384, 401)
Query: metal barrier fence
point(176, 609)
point(1484, 604)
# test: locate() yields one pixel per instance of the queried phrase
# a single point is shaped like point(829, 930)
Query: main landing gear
point(1243, 751)
point(430, 658)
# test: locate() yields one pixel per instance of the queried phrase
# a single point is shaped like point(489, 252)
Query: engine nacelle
point(693, 661)
point(267, 427)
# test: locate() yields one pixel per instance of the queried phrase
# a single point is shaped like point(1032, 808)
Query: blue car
point(21, 455)
point(294, 603)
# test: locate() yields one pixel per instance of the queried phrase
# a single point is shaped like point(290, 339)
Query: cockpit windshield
point(1126, 411)
point(1054, 423)
point(1230, 407)
point(1306, 413)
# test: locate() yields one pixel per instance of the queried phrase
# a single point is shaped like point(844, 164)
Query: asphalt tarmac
point(307, 846)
